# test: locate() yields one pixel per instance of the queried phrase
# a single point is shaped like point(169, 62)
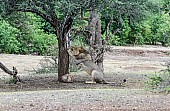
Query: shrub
point(161, 82)
point(8, 41)
point(12, 41)
point(49, 64)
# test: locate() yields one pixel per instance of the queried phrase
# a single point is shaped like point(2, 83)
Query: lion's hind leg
point(97, 77)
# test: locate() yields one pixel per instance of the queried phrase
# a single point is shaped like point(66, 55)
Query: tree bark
point(63, 59)
point(5, 69)
point(13, 73)
point(46, 10)
point(99, 42)
point(97, 50)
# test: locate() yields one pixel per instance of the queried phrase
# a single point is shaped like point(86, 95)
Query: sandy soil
point(42, 92)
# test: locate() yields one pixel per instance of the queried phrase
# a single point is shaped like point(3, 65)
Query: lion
point(82, 57)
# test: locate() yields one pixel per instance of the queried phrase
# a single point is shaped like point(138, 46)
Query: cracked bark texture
point(95, 41)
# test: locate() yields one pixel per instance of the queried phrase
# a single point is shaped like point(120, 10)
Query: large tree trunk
point(97, 50)
point(63, 57)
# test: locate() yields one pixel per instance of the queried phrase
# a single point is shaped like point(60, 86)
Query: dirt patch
point(134, 64)
point(85, 100)
point(138, 68)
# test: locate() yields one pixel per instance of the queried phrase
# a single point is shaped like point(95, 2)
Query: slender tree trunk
point(97, 50)
point(99, 42)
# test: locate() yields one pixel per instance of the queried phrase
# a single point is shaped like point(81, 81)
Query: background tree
point(110, 17)
point(121, 20)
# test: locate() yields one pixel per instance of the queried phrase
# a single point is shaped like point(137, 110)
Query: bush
point(12, 41)
point(154, 30)
point(161, 82)
point(49, 64)
point(8, 38)
point(41, 43)
point(157, 29)
point(155, 81)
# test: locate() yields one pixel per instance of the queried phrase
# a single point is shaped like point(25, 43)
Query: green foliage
point(125, 33)
point(166, 6)
point(25, 39)
point(130, 34)
point(140, 22)
point(79, 41)
point(8, 38)
point(11, 80)
point(154, 81)
point(41, 42)
point(154, 30)
point(48, 65)
point(157, 29)
point(113, 40)
point(161, 82)
point(164, 29)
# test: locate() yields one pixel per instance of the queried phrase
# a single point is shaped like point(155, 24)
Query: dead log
point(13, 73)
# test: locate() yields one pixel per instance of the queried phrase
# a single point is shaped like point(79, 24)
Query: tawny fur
point(67, 78)
point(83, 58)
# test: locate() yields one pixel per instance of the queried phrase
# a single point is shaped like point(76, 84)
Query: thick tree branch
point(67, 24)
point(41, 14)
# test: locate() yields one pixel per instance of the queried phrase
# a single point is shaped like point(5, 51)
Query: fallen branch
point(13, 73)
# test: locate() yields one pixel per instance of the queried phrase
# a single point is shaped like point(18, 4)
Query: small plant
point(161, 82)
point(11, 80)
point(154, 81)
point(168, 53)
point(165, 84)
point(49, 64)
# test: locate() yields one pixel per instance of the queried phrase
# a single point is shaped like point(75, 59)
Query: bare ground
point(42, 92)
